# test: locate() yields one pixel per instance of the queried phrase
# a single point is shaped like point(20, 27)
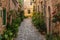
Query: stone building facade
point(6, 6)
point(48, 8)
point(28, 8)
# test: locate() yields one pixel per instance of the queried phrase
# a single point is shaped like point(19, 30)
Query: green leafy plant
point(0, 37)
point(56, 18)
point(8, 35)
point(39, 22)
point(12, 29)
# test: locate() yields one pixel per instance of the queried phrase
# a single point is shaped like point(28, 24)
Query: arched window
point(28, 11)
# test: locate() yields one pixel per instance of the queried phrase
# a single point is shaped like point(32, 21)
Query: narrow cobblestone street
point(28, 32)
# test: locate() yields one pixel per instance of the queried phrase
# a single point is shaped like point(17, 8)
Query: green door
point(4, 16)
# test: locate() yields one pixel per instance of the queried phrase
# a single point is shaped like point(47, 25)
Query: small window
point(30, 3)
point(28, 11)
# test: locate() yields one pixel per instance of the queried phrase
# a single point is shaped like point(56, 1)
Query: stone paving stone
point(28, 32)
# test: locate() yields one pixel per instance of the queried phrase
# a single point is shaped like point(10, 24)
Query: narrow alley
point(28, 32)
point(29, 19)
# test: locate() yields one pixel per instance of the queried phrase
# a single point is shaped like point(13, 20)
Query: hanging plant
point(56, 17)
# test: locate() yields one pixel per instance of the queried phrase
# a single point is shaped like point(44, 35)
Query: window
point(0, 13)
point(0, 3)
point(33, 8)
point(4, 16)
point(42, 6)
point(49, 10)
point(38, 8)
point(28, 11)
point(30, 3)
point(58, 7)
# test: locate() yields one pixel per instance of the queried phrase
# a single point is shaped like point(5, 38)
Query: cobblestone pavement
point(28, 32)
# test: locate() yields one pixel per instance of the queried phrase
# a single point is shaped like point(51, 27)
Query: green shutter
point(4, 16)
